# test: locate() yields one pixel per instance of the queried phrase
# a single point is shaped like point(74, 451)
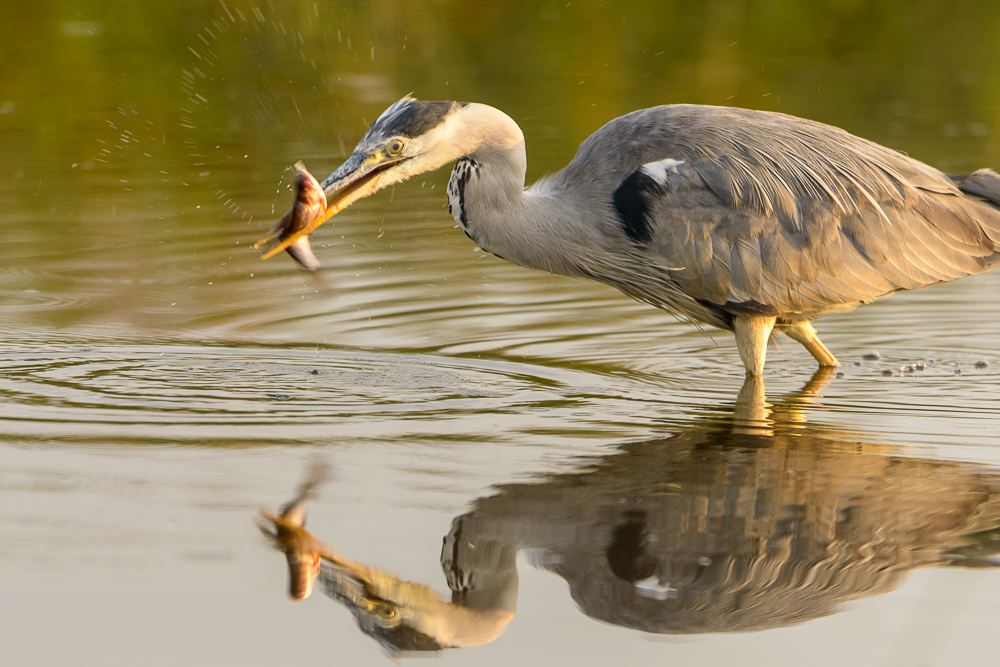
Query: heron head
point(401, 616)
point(409, 138)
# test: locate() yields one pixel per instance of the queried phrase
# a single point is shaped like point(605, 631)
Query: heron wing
point(776, 213)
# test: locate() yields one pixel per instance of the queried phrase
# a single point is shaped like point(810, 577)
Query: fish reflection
point(718, 527)
point(288, 534)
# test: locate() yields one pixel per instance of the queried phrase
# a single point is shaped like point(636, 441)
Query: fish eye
point(396, 146)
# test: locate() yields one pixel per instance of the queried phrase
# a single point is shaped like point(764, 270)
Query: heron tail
point(984, 184)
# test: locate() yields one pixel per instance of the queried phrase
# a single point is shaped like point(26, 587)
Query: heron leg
point(752, 334)
point(805, 333)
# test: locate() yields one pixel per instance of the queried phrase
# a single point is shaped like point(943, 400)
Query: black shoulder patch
point(633, 201)
point(411, 118)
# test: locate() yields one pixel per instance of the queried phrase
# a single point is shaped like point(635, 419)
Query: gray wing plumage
point(787, 216)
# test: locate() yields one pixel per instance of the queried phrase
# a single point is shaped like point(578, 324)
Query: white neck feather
point(486, 193)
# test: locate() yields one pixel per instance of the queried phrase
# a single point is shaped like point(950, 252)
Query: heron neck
point(536, 228)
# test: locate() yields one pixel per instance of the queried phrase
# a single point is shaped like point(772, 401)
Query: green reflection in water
point(142, 142)
point(891, 71)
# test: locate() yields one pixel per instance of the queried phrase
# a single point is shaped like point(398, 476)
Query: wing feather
point(794, 215)
point(747, 267)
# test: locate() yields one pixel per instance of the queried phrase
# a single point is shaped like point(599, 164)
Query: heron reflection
point(713, 528)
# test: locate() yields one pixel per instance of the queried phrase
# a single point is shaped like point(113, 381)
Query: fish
point(287, 533)
point(309, 206)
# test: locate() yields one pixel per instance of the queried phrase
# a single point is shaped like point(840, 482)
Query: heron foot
point(805, 333)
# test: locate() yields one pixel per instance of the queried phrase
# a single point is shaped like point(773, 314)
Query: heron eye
point(387, 612)
point(396, 147)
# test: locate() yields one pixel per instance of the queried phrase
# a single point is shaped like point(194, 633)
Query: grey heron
point(748, 221)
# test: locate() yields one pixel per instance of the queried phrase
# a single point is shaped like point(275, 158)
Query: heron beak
point(357, 178)
point(346, 583)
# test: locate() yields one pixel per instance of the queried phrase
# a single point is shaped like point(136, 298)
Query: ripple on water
point(18, 302)
point(230, 395)
point(24, 479)
point(171, 393)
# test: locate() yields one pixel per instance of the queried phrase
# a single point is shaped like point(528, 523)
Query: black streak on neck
point(463, 171)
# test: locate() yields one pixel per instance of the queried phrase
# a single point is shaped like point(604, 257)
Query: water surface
point(160, 383)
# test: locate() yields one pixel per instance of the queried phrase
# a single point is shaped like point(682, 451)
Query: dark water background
point(159, 383)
